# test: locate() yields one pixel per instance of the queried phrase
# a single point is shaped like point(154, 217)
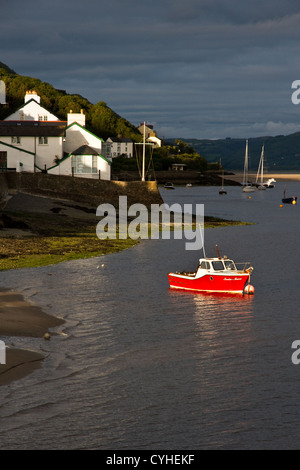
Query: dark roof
point(33, 128)
point(85, 150)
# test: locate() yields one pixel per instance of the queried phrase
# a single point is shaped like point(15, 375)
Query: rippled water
point(137, 366)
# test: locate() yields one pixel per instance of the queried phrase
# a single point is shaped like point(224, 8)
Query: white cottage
point(83, 152)
point(33, 139)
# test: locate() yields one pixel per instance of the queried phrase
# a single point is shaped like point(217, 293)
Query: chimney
point(32, 95)
point(76, 117)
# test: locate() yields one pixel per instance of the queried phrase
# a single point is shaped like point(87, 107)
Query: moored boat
point(214, 275)
point(169, 186)
point(247, 186)
point(260, 172)
point(222, 190)
point(288, 200)
point(269, 183)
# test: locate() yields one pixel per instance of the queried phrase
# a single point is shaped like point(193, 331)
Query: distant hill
point(100, 119)
point(6, 68)
point(281, 152)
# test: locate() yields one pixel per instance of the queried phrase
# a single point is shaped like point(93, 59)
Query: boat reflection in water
point(223, 321)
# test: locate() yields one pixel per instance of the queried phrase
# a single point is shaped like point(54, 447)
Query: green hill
point(100, 119)
point(281, 152)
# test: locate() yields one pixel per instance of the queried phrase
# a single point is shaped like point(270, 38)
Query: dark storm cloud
point(198, 68)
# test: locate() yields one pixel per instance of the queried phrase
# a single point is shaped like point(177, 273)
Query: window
point(16, 140)
point(218, 265)
point(205, 265)
point(85, 164)
point(43, 140)
point(230, 265)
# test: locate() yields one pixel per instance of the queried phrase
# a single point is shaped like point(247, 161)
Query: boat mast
point(262, 165)
point(245, 180)
point(144, 153)
point(260, 170)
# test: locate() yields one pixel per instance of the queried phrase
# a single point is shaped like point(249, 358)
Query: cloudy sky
point(192, 68)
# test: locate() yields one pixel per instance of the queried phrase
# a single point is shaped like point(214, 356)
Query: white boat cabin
point(216, 264)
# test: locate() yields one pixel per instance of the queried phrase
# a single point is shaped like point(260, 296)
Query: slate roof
point(33, 128)
point(85, 150)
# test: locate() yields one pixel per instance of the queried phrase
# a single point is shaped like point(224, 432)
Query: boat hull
point(289, 200)
point(210, 282)
point(249, 189)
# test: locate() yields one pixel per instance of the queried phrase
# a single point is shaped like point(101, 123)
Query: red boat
point(214, 275)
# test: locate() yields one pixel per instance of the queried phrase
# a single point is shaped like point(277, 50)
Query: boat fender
point(249, 289)
point(249, 270)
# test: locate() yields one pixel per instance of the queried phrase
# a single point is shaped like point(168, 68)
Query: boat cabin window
point(205, 265)
point(230, 265)
point(218, 265)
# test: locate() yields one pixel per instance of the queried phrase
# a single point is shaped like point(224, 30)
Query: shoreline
point(19, 364)
point(288, 176)
point(41, 231)
point(23, 319)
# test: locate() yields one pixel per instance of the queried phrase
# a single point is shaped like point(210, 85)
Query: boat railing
point(244, 266)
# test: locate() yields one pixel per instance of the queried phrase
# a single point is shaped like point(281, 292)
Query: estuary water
point(138, 366)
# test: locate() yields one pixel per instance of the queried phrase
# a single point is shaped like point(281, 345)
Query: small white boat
point(269, 183)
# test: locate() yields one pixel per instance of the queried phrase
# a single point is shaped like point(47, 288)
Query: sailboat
point(222, 190)
point(247, 187)
point(260, 171)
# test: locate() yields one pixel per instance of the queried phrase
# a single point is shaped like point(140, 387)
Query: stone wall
point(3, 191)
point(85, 190)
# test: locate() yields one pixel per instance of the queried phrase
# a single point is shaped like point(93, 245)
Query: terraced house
point(32, 139)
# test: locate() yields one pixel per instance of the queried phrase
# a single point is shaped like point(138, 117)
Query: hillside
point(281, 152)
point(100, 119)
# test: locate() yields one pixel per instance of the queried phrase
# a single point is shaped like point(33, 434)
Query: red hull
point(210, 282)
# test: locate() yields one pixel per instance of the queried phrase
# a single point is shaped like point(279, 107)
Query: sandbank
point(21, 318)
point(288, 176)
point(19, 363)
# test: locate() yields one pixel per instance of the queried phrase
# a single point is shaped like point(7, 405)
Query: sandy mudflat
point(238, 176)
point(284, 176)
point(19, 363)
point(21, 318)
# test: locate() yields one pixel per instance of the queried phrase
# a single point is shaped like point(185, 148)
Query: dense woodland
point(100, 119)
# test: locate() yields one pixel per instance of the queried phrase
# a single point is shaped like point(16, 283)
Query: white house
point(83, 152)
point(150, 134)
point(117, 146)
point(33, 139)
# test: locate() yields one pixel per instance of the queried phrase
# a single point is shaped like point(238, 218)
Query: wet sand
point(238, 176)
point(21, 318)
point(19, 363)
